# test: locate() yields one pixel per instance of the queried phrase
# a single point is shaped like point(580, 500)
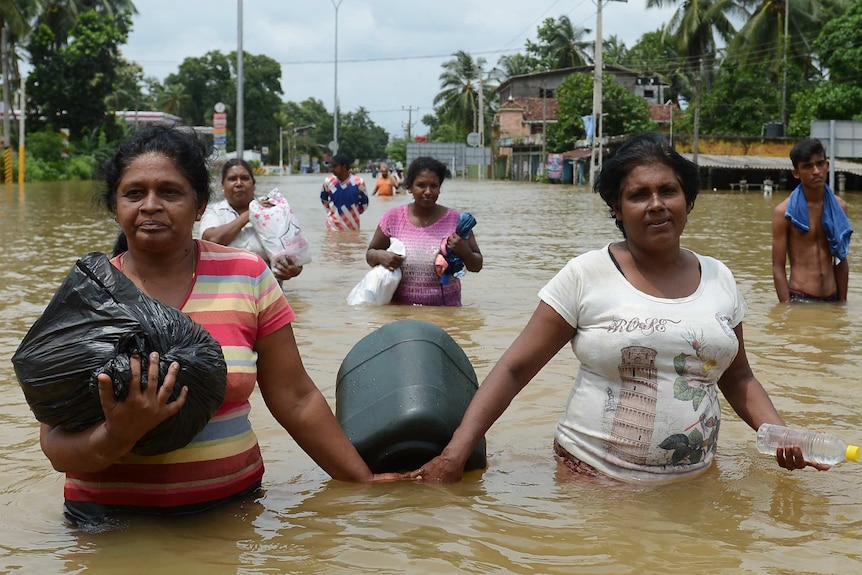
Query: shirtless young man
point(818, 262)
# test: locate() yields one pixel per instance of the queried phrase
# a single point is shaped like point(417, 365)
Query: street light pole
point(334, 146)
point(784, 88)
point(596, 147)
point(240, 111)
point(598, 128)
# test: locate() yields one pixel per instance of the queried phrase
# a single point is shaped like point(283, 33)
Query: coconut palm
point(173, 99)
point(560, 44)
point(514, 65)
point(695, 25)
point(60, 15)
point(614, 51)
point(762, 40)
point(458, 99)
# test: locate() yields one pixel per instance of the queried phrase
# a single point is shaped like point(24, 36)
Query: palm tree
point(762, 41)
point(514, 65)
point(173, 99)
point(560, 44)
point(614, 51)
point(60, 15)
point(694, 26)
point(458, 98)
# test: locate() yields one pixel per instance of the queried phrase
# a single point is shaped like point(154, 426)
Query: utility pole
point(596, 146)
point(7, 132)
point(697, 112)
point(481, 125)
point(334, 146)
point(598, 67)
point(784, 89)
point(544, 126)
point(240, 98)
point(409, 120)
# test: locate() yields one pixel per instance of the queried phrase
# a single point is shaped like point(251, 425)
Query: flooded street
point(744, 516)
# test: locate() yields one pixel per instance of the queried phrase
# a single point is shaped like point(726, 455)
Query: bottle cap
point(852, 453)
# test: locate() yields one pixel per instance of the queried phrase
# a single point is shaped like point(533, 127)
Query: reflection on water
point(520, 515)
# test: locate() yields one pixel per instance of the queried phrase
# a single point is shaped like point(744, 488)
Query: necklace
point(425, 221)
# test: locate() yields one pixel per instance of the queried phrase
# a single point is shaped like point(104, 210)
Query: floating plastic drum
point(401, 393)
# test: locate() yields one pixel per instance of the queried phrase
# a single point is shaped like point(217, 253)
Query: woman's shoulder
point(590, 258)
point(712, 265)
point(397, 213)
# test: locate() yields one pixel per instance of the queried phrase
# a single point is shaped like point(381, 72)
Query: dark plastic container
point(400, 394)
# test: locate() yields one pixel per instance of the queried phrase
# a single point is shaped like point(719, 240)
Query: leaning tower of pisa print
point(635, 414)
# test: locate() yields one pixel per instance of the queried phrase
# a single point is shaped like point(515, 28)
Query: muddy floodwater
point(744, 516)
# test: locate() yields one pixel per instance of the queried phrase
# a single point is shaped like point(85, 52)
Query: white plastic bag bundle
point(379, 284)
point(278, 229)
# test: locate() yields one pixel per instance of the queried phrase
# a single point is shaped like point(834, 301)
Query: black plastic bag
point(96, 320)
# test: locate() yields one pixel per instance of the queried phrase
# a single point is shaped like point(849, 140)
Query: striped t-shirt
point(237, 299)
point(346, 200)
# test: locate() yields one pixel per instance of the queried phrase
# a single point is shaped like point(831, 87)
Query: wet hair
point(806, 149)
point(237, 162)
point(423, 163)
point(181, 146)
point(340, 159)
point(643, 150)
point(121, 244)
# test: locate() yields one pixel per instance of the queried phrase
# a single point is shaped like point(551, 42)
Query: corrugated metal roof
point(764, 163)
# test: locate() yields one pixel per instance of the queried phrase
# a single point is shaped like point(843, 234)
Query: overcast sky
point(389, 51)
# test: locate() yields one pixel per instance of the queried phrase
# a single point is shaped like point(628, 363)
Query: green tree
point(839, 45)
point(626, 113)
point(314, 124)
point(560, 44)
point(652, 56)
point(61, 15)
point(761, 41)
point(361, 138)
point(172, 99)
point(614, 51)
point(262, 90)
point(458, 101)
point(694, 26)
point(86, 68)
point(127, 91)
point(397, 149)
point(839, 97)
point(740, 102)
point(206, 80)
point(514, 65)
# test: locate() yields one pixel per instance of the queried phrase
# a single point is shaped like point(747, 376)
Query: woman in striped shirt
point(157, 186)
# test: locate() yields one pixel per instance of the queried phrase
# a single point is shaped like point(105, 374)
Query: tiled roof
point(533, 108)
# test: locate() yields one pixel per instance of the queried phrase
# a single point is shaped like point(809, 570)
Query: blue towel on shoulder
point(834, 220)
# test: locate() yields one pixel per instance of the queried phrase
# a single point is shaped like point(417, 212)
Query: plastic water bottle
point(816, 447)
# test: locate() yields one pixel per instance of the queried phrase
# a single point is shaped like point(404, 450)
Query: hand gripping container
point(401, 392)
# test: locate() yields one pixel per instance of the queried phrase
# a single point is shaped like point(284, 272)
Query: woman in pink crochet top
point(423, 225)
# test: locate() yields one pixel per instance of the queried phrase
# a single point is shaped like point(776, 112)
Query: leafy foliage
point(458, 101)
point(86, 67)
point(360, 138)
point(840, 45)
point(740, 102)
point(205, 80)
point(626, 113)
point(560, 45)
